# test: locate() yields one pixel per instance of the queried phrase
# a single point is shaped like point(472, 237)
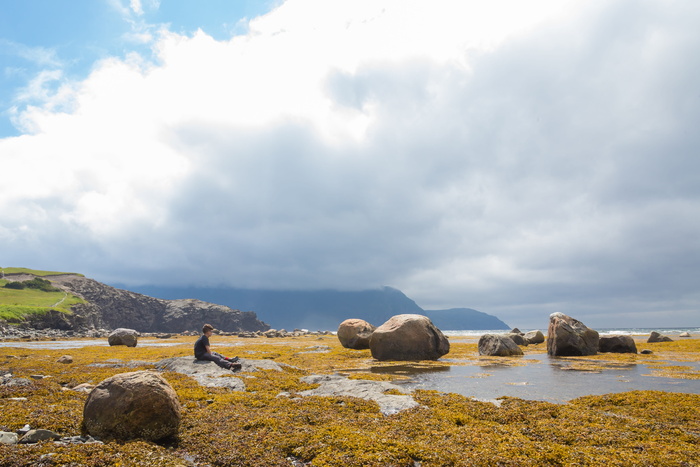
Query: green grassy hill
point(16, 305)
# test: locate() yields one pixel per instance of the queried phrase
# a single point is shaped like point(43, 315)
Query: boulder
point(684, 334)
point(408, 337)
point(8, 437)
point(498, 346)
point(517, 338)
point(567, 336)
point(534, 337)
point(123, 336)
point(34, 436)
point(656, 337)
point(617, 344)
point(136, 405)
point(355, 334)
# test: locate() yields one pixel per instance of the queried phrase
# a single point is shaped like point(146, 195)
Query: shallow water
point(76, 344)
point(543, 378)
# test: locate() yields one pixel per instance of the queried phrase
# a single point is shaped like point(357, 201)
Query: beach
point(463, 416)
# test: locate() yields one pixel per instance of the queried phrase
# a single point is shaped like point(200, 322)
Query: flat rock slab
point(211, 375)
point(334, 385)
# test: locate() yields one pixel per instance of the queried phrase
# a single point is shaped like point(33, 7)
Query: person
point(202, 351)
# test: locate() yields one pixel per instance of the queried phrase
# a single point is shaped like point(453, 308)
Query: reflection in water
point(547, 379)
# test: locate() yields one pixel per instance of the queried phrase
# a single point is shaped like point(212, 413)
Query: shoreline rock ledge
point(569, 337)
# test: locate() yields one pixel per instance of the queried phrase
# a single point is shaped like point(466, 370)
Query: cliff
point(109, 307)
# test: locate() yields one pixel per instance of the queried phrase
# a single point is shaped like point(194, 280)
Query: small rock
point(37, 376)
point(656, 337)
point(34, 436)
point(7, 437)
point(646, 352)
point(65, 359)
point(684, 334)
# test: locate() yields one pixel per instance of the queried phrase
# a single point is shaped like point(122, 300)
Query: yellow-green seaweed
point(259, 427)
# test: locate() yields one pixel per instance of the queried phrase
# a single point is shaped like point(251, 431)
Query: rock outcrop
point(567, 336)
point(656, 337)
point(335, 385)
point(617, 344)
point(136, 405)
point(498, 346)
point(111, 308)
point(408, 337)
point(355, 334)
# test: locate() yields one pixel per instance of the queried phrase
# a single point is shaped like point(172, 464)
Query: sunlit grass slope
point(16, 305)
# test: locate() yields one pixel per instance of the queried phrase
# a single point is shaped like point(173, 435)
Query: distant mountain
point(313, 310)
point(464, 318)
point(325, 309)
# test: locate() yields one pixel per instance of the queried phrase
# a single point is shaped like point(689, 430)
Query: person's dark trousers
point(216, 358)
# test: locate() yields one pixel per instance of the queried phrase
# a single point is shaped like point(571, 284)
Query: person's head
point(207, 329)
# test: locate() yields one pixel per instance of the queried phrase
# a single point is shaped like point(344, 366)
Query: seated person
point(202, 351)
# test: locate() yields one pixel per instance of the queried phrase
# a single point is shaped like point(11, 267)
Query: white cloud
point(512, 157)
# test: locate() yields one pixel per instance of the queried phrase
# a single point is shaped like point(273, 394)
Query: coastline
point(271, 423)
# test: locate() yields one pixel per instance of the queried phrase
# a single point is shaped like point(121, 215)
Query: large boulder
point(617, 344)
point(355, 334)
point(567, 336)
point(517, 338)
point(656, 337)
point(408, 337)
point(136, 405)
point(123, 336)
point(534, 337)
point(498, 346)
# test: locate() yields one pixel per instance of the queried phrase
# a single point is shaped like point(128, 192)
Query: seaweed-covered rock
point(136, 405)
point(123, 336)
point(498, 346)
point(534, 337)
point(355, 334)
point(408, 337)
point(567, 336)
point(656, 337)
point(617, 344)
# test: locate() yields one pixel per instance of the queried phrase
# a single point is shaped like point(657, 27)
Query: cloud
point(518, 159)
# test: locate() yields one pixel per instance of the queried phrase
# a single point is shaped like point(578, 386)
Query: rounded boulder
point(408, 337)
point(123, 336)
point(355, 334)
point(498, 346)
point(136, 405)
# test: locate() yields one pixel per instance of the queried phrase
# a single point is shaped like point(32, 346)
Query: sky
point(518, 158)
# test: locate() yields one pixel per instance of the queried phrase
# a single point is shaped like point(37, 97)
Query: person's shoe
point(233, 359)
point(235, 366)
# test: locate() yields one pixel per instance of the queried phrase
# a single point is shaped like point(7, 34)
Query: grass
point(17, 305)
point(259, 427)
point(35, 272)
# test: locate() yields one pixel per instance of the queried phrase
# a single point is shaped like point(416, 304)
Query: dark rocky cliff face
point(112, 308)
